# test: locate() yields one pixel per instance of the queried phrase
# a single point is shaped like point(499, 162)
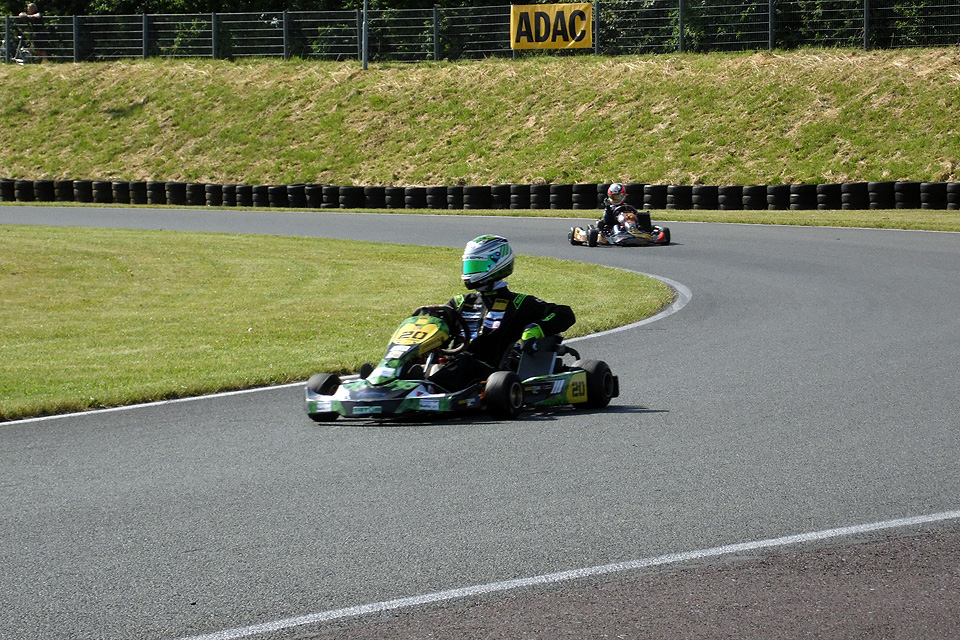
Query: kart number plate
point(366, 411)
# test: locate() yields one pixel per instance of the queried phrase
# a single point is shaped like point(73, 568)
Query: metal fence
point(412, 35)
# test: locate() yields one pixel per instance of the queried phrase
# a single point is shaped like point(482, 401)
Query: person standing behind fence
point(34, 21)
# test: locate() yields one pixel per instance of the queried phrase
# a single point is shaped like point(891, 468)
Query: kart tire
point(504, 395)
point(666, 235)
point(365, 370)
point(592, 234)
point(324, 384)
point(570, 237)
point(600, 383)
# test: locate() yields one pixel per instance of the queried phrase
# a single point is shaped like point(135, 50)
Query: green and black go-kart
point(398, 386)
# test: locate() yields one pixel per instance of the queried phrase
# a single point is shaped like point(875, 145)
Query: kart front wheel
point(324, 384)
point(504, 395)
point(592, 234)
point(601, 384)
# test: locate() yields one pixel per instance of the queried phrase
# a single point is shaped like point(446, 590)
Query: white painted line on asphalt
point(574, 574)
point(158, 403)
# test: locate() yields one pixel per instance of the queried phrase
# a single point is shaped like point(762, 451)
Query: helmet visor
point(472, 266)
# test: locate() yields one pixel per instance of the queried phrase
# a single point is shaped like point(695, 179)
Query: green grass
point(98, 317)
point(813, 115)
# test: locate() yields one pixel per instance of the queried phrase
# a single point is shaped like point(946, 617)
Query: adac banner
point(551, 26)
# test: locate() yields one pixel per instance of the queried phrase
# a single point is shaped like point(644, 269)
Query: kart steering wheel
point(459, 330)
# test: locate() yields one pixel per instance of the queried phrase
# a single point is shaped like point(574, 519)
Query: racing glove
point(528, 339)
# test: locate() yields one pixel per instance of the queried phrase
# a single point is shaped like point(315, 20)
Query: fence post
point(214, 40)
point(286, 35)
point(436, 33)
point(681, 9)
point(596, 28)
point(772, 23)
point(146, 36)
point(6, 38)
point(360, 42)
point(76, 38)
point(866, 25)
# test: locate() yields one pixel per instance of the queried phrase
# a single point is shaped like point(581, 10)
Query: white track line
point(574, 574)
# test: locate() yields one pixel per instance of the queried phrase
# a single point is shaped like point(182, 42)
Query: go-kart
point(532, 376)
point(628, 232)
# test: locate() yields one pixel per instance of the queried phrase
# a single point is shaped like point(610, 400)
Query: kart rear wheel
point(663, 235)
point(324, 384)
point(504, 395)
point(571, 237)
point(601, 385)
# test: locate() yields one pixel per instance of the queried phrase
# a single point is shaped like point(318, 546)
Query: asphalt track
point(805, 392)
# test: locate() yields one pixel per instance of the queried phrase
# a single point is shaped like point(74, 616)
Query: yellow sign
point(551, 26)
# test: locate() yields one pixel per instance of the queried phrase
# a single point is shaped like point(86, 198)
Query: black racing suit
point(611, 214)
point(497, 319)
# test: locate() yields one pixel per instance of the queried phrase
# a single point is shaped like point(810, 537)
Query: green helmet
point(486, 259)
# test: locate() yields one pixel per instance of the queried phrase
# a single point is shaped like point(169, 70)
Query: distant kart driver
point(496, 317)
point(614, 207)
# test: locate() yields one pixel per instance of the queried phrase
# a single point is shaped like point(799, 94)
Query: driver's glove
point(529, 338)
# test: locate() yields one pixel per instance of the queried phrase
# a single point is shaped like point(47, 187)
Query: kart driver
point(496, 316)
point(614, 205)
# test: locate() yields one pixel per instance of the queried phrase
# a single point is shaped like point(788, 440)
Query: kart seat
point(542, 360)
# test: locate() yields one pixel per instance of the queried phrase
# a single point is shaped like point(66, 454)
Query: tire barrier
point(156, 193)
point(296, 196)
point(121, 192)
point(213, 194)
point(351, 197)
point(176, 193)
point(330, 196)
point(584, 196)
point(654, 196)
point(953, 196)
point(561, 196)
point(803, 197)
point(228, 194)
point(778, 197)
point(730, 197)
point(261, 195)
point(882, 195)
point(890, 194)
point(138, 192)
point(539, 196)
point(679, 196)
point(705, 196)
point(376, 197)
point(906, 195)
point(8, 190)
point(244, 195)
point(519, 196)
point(500, 196)
point(45, 191)
point(196, 194)
point(415, 198)
point(854, 195)
point(64, 190)
point(754, 197)
point(829, 197)
point(83, 190)
point(314, 193)
point(23, 190)
point(455, 197)
point(477, 197)
point(394, 197)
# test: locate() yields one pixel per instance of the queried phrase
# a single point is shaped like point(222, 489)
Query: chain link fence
point(414, 35)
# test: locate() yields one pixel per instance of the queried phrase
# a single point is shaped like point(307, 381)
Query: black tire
point(196, 194)
point(666, 235)
point(324, 384)
point(314, 195)
point(244, 193)
point(83, 191)
point(655, 196)
point(592, 234)
point(213, 194)
point(102, 192)
point(297, 196)
point(679, 196)
point(277, 195)
point(570, 237)
point(504, 395)
point(365, 370)
point(375, 197)
point(176, 193)
point(601, 386)
point(138, 192)
point(156, 192)
point(44, 191)
point(455, 197)
point(23, 190)
point(477, 196)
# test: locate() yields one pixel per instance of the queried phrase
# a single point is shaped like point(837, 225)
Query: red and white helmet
point(617, 193)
